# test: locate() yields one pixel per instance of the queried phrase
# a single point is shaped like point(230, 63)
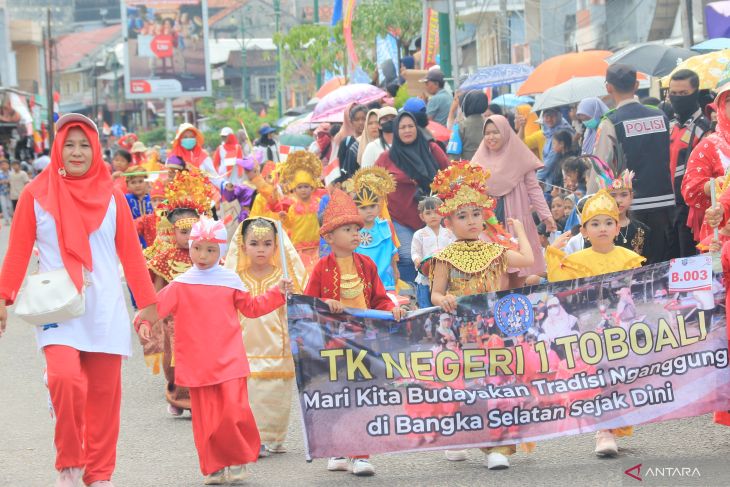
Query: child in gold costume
point(469, 265)
point(600, 226)
point(255, 256)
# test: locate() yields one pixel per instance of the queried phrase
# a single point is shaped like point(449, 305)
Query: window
point(266, 88)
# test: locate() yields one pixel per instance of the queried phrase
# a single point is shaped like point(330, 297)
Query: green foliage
point(311, 48)
point(372, 18)
point(230, 116)
point(152, 137)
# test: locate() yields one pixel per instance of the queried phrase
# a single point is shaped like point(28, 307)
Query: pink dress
point(518, 204)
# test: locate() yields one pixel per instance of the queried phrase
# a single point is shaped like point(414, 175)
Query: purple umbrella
point(332, 106)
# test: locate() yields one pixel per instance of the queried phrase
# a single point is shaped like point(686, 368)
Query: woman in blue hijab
point(589, 112)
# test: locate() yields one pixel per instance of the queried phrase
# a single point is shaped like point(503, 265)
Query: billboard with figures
point(166, 48)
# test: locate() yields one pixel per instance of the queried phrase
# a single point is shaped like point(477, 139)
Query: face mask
point(189, 143)
point(591, 124)
point(553, 311)
point(685, 106)
point(387, 127)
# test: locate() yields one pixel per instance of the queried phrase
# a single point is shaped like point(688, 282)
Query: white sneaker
point(606, 444)
point(497, 461)
point(362, 467)
point(263, 452)
point(216, 478)
point(237, 473)
point(174, 410)
point(338, 464)
point(455, 455)
point(69, 477)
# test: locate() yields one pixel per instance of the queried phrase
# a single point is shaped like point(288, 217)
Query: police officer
point(688, 127)
point(639, 135)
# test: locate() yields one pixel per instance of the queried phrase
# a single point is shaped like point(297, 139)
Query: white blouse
point(105, 326)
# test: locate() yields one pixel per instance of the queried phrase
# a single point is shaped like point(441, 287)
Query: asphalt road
point(156, 449)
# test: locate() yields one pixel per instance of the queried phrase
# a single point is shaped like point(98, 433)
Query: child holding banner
point(377, 237)
point(347, 279)
point(210, 356)
point(601, 227)
point(254, 256)
point(469, 265)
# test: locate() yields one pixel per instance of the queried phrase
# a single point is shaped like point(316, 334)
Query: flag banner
point(515, 366)
point(432, 38)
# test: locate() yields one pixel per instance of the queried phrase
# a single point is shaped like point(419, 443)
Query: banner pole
point(282, 251)
point(716, 262)
point(169, 121)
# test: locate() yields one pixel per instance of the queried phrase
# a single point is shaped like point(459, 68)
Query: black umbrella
point(651, 59)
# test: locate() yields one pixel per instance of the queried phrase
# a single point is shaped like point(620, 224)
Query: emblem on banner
point(513, 314)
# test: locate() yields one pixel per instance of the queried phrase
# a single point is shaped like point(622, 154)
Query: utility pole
point(280, 78)
point(316, 22)
point(685, 8)
point(49, 77)
point(244, 67)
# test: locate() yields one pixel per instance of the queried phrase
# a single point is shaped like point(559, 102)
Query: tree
point(402, 18)
point(228, 115)
point(311, 48)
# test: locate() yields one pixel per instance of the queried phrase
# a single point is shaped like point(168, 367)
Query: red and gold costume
point(189, 190)
point(354, 280)
point(474, 266)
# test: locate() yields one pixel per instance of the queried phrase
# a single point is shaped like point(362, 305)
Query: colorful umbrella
point(652, 59)
point(709, 67)
point(331, 107)
point(717, 44)
point(511, 100)
point(561, 68)
point(330, 86)
point(571, 91)
point(497, 75)
point(299, 125)
point(439, 132)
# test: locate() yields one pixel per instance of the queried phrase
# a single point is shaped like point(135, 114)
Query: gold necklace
point(350, 286)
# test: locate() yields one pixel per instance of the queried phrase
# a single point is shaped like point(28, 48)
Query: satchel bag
point(50, 297)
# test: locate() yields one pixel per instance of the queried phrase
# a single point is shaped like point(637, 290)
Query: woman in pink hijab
point(514, 185)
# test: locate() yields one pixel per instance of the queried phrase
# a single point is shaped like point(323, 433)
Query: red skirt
point(224, 428)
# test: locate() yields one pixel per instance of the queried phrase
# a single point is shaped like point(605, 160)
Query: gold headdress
point(461, 184)
point(189, 189)
point(601, 203)
point(301, 167)
point(371, 185)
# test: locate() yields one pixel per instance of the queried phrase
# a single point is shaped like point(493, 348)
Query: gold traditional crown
point(601, 203)
point(189, 189)
point(301, 167)
point(461, 184)
point(371, 185)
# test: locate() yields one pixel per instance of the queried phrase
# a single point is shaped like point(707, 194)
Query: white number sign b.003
point(690, 274)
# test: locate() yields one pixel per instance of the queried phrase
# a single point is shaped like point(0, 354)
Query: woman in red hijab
point(71, 212)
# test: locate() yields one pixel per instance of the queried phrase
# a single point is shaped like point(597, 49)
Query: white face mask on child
point(553, 311)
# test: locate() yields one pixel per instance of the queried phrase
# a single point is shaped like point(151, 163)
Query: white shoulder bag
point(50, 297)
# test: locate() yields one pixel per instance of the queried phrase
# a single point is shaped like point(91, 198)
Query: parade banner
point(517, 366)
point(432, 38)
point(165, 48)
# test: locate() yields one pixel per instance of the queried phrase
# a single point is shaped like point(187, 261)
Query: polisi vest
point(643, 135)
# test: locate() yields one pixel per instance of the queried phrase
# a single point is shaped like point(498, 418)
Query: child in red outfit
point(210, 358)
point(346, 279)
